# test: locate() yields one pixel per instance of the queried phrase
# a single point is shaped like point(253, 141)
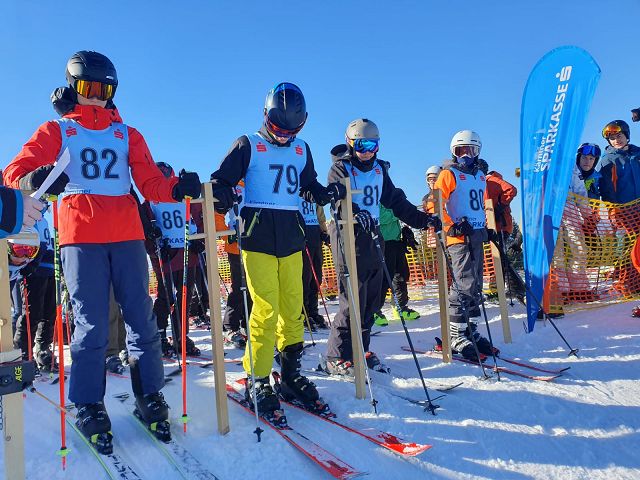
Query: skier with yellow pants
point(277, 168)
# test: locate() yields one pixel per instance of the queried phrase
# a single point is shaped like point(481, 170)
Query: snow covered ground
point(585, 424)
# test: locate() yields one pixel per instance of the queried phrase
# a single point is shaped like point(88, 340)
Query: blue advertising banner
point(555, 104)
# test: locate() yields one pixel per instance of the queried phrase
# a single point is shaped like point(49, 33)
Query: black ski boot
point(93, 422)
point(266, 399)
point(484, 345)
point(235, 338)
point(44, 360)
point(461, 341)
point(374, 363)
point(295, 386)
point(319, 321)
point(153, 411)
point(167, 348)
point(113, 364)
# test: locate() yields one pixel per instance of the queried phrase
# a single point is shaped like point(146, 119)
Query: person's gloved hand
point(365, 220)
point(154, 233)
point(409, 238)
point(460, 229)
point(431, 221)
point(33, 180)
point(334, 191)
point(325, 238)
point(196, 247)
point(492, 235)
point(225, 196)
point(188, 186)
point(167, 253)
point(635, 115)
point(31, 210)
point(232, 239)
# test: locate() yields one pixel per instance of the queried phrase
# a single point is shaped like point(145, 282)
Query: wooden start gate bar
point(210, 237)
point(355, 324)
point(12, 411)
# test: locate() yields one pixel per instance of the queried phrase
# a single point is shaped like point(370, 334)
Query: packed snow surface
point(583, 425)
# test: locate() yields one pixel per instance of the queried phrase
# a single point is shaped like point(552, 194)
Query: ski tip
point(407, 449)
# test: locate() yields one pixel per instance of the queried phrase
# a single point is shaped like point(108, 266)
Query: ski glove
point(409, 238)
point(492, 235)
point(460, 229)
point(635, 114)
point(154, 233)
point(188, 186)
point(225, 196)
point(334, 191)
point(196, 247)
point(325, 238)
point(365, 220)
point(432, 221)
point(167, 253)
point(33, 180)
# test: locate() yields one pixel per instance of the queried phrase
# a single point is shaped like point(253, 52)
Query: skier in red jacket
point(101, 236)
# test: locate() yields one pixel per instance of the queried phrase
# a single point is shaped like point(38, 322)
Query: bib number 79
point(291, 177)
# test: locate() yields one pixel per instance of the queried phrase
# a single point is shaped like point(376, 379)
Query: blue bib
point(99, 159)
point(308, 211)
point(467, 200)
point(42, 226)
point(273, 177)
point(170, 219)
point(370, 185)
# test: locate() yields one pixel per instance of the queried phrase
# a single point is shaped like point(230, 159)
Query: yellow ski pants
point(275, 285)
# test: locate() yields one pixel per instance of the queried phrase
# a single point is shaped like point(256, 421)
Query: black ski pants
point(234, 313)
point(369, 284)
point(396, 261)
point(162, 305)
point(309, 285)
point(42, 314)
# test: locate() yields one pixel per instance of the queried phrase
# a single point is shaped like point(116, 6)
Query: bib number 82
point(90, 166)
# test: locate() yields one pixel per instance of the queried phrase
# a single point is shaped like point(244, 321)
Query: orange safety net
point(592, 260)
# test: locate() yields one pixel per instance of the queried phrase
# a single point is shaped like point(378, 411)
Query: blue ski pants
point(89, 271)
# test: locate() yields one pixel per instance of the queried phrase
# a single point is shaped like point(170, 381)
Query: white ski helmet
point(466, 138)
point(432, 170)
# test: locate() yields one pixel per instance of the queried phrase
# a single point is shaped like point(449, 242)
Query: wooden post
point(355, 324)
point(497, 265)
point(12, 406)
point(217, 345)
point(443, 290)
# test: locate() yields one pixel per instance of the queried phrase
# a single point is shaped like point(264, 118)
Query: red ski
point(533, 367)
point(508, 371)
point(380, 438)
point(318, 455)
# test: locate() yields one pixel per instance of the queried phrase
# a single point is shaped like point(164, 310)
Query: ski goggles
point(280, 132)
point(365, 145)
point(466, 151)
point(589, 149)
point(90, 89)
point(611, 129)
point(19, 250)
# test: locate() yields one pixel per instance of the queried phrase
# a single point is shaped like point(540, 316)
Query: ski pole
point(346, 277)
point(431, 407)
point(493, 350)
point(315, 276)
point(465, 311)
point(183, 330)
point(572, 351)
point(25, 296)
point(63, 452)
point(306, 317)
point(243, 287)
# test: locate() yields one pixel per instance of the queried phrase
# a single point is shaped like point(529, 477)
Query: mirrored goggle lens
point(281, 132)
point(366, 145)
point(88, 89)
point(589, 150)
point(466, 151)
point(22, 251)
point(611, 130)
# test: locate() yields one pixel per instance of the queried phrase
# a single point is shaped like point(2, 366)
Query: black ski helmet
point(91, 66)
point(166, 169)
point(285, 108)
point(621, 124)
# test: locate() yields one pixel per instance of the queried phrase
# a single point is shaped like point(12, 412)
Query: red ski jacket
point(94, 218)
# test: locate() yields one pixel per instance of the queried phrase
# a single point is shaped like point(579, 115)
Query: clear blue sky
point(193, 74)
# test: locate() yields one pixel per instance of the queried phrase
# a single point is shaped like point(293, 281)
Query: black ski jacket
point(275, 232)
